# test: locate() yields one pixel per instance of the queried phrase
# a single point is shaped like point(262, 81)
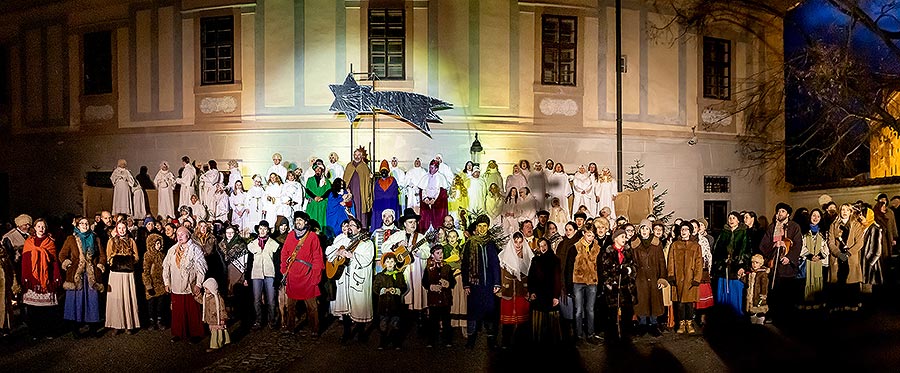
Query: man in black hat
point(260, 273)
point(782, 244)
point(481, 280)
point(412, 258)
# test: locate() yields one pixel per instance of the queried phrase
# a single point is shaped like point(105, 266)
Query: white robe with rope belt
point(353, 295)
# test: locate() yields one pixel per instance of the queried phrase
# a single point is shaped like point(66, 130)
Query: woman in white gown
point(221, 206)
point(493, 203)
point(293, 195)
point(123, 182)
point(584, 192)
point(240, 213)
point(606, 191)
point(256, 198)
point(274, 204)
point(165, 185)
point(511, 211)
point(234, 175)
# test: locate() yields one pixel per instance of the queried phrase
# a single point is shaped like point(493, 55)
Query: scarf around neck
point(88, 246)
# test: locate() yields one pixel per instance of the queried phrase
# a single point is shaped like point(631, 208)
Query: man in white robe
point(537, 182)
point(477, 190)
point(413, 177)
point(187, 181)
point(276, 167)
point(400, 175)
point(353, 295)
point(123, 182)
point(443, 167)
point(210, 178)
point(334, 169)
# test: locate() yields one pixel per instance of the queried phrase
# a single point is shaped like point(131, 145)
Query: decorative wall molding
point(552, 106)
point(225, 104)
point(713, 117)
point(99, 113)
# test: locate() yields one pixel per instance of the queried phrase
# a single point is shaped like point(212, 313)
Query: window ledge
point(218, 88)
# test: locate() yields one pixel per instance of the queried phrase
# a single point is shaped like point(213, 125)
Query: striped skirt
point(514, 311)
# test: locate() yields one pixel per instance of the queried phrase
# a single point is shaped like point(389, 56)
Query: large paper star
point(353, 99)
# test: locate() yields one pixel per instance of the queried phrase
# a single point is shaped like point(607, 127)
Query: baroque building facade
point(87, 82)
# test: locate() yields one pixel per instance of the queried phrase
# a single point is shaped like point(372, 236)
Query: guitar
point(775, 260)
point(335, 268)
point(404, 254)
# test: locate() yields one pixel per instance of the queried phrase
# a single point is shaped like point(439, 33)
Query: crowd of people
point(427, 250)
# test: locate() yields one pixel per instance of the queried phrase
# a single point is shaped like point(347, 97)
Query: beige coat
point(854, 244)
point(685, 266)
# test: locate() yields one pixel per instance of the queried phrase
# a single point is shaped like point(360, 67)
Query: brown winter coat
point(651, 267)
point(685, 267)
point(854, 245)
point(93, 268)
point(153, 268)
point(757, 290)
point(584, 270)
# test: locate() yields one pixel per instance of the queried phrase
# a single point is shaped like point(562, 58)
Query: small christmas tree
point(636, 182)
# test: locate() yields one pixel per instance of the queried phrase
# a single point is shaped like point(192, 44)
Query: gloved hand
point(695, 283)
point(662, 283)
point(843, 257)
point(625, 270)
point(151, 292)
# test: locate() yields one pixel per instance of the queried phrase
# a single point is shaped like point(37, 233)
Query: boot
point(690, 327)
point(682, 328)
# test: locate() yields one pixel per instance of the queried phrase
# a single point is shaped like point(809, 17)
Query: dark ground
point(868, 341)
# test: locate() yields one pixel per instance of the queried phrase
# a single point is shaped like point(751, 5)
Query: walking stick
point(619, 305)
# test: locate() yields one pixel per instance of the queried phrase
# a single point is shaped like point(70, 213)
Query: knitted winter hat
point(23, 219)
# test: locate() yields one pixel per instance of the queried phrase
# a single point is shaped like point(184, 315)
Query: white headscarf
point(512, 263)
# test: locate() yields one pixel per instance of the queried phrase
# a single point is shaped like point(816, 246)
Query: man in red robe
point(302, 265)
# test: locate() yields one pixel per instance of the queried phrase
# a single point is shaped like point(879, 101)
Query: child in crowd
point(152, 277)
point(389, 285)
point(214, 315)
point(757, 290)
point(439, 281)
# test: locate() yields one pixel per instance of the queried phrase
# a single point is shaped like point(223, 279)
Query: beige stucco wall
point(483, 56)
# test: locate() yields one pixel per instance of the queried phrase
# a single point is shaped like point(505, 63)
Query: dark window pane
point(97, 54)
point(217, 50)
point(387, 41)
point(559, 36)
point(716, 68)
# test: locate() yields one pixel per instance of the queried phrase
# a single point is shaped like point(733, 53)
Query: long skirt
point(706, 296)
point(731, 294)
point(458, 309)
point(545, 326)
point(82, 305)
point(186, 320)
point(121, 302)
point(514, 311)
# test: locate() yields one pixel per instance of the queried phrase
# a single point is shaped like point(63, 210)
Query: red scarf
point(621, 252)
point(43, 252)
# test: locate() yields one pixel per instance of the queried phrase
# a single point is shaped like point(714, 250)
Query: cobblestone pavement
point(867, 341)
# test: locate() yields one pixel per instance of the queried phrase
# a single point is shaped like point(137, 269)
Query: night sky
point(819, 20)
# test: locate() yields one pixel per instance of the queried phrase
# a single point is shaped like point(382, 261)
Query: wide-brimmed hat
point(409, 213)
point(262, 223)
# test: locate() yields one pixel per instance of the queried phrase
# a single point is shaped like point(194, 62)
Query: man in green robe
point(317, 188)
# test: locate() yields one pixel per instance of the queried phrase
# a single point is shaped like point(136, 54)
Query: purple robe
point(385, 199)
point(353, 186)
